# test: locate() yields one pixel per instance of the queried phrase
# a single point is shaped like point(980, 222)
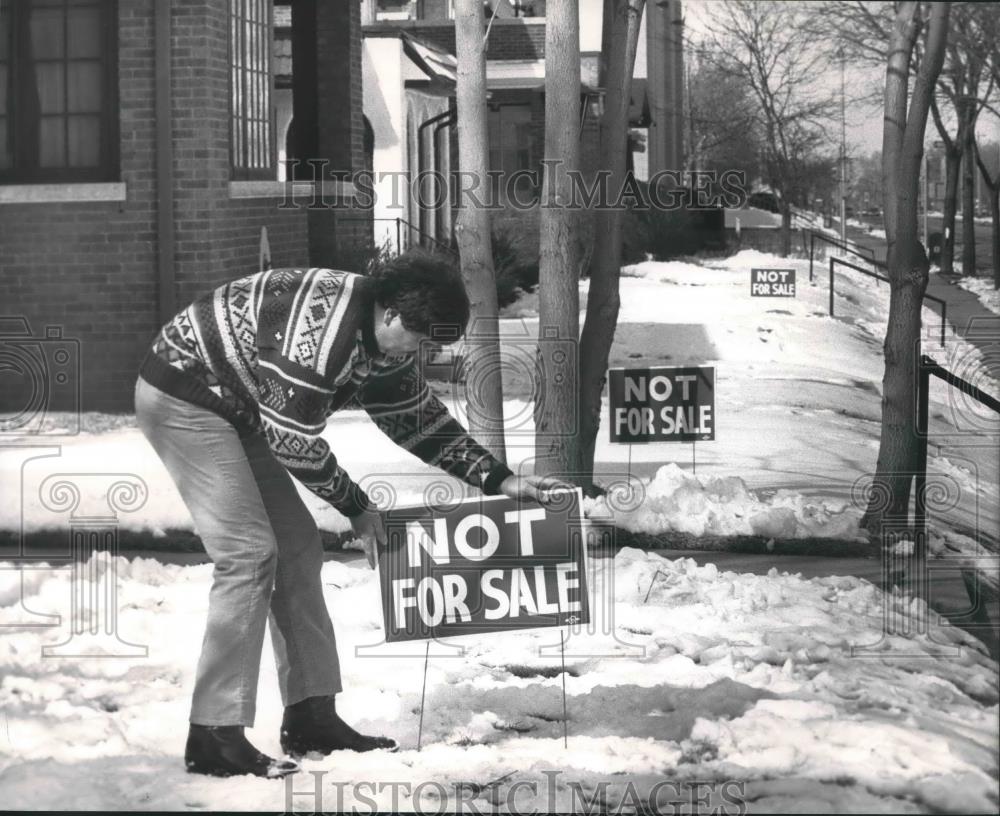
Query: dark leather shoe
point(313, 726)
point(223, 750)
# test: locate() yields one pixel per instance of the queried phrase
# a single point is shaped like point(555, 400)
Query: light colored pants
point(267, 554)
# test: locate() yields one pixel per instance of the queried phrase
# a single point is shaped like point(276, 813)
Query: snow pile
point(676, 272)
point(983, 289)
point(747, 258)
point(700, 674)
point(676, 501)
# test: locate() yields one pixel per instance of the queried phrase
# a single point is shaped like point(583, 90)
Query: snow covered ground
point(700, 675)
point(983, 289)
point(797, 401)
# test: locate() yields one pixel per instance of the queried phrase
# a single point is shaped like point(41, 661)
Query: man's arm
point(400, 402)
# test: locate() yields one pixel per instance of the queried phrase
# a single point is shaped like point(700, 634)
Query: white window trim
point(59, 193)
point(298, 190)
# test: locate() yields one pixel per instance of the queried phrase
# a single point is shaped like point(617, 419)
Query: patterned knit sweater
point(277, 352)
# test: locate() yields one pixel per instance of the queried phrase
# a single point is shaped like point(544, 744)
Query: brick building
point(139, 169)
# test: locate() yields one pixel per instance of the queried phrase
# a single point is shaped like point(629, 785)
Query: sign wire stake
point(423, 693)
point(694, 461)
point(656, 575)
point(562, 657)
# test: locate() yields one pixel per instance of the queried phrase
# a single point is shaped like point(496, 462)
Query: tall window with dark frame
point(252, 140)
point(58, 91)
point(510, 135)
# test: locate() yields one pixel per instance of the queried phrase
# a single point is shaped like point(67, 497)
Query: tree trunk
point(995, 213)
point(902, 152)
point(952, 166)
point(969, 192)
point(472, 233)
point(786, 229)
point(603, 299)
point(993, 184)
point(556, 448)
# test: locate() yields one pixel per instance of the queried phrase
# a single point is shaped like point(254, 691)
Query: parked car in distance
point(763, 200)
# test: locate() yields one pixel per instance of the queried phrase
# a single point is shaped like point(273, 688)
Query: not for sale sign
point(772, 283)
point(487, 564)
point(662, 404)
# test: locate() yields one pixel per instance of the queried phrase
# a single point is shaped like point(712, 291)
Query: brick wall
point(91, 268)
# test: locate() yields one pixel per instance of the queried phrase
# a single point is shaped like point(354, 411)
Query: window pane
point(250, 84)
point(248, 41)
point(84, 31)
point(6, 159)
point(85, 87)
point(84, 141)
point(52, 138)
point(47, 33)
point(50, 80)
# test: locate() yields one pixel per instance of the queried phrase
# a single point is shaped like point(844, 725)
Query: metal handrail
point(863, 271)
point(928, 367)
point(855, 250)
point(424, 234)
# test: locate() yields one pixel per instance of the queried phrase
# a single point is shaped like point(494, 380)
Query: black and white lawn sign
point(487, 564)
point(662, 404)
point(772, 283)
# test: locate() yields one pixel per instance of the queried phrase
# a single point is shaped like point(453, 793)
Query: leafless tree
point(989, 51)
point(720, 119)
point(902, 152)
point(960, 85)
point(863, 29)
point(769, 46)
point(603, 300)
point(556, 446)
point(472, 233)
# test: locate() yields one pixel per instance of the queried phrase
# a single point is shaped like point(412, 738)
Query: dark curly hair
point(427, 290)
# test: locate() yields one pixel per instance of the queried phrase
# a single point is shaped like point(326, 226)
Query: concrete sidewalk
point(972, 321)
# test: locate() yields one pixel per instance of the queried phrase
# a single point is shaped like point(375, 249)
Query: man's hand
point(370, 528)
point(535, 488)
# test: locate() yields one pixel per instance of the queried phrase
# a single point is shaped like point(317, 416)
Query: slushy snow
point(698, 675)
